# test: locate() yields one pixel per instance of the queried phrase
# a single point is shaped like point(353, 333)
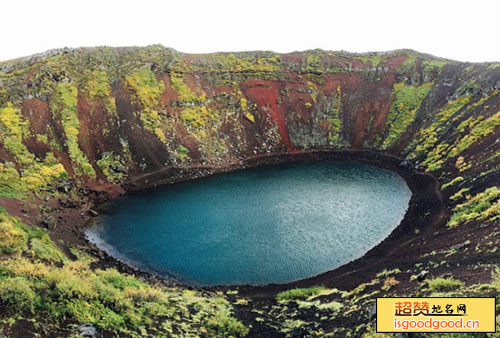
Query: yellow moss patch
point(64, 104)
point(250, 117)
point(147, 92)
point(95, 84)
point(483, 206)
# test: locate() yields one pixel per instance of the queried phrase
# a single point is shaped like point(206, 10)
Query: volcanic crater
point(82, 126)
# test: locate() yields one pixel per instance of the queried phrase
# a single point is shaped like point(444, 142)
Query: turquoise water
point(267, 225)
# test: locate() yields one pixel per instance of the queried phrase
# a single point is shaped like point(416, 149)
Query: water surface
point(267, 225)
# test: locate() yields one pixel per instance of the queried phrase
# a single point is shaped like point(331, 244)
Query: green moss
point(294, 294)
point(17, 295)
point(16, 237)
point(445, 284)
point(226, 327)
point(452, 182)
point(185, 94)
point(43, 248)
point(374, 60)
point(483, 206)
point(182, 152)
point(42, 138)
point(435, 157)
point(409, 62)
point(333, 118)
point(243, 103)
point(64, 105)
point(251, 65)
point(403, 110)
point(461, 165)
point(312, 90)
point(95, 84)
point(459, 194)
point(14, 129)
point(41, 173)
point(196, 117)
point(10, 182)
point(492, 157)
point(312, 64)
point(73, 292)
point(108, 163)
point(35, 173)
point(479, 131)
point(479, 128)
point(147, 92)
point(12, 237)
point(82, 255)
point(428, 137)
point(433, 68)
point(467, 124)
point(387, 273)
point(250, 117)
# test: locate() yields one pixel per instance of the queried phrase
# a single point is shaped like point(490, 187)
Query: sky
point(459, 30)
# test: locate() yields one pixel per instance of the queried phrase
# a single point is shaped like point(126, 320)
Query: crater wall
point(78, 126)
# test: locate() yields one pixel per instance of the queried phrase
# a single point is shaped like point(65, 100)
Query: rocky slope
point(78, 126)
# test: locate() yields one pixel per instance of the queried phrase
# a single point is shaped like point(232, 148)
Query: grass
point(452, 182)
point(389, 282)
point(445, 284)
point(459, 194)
point(492, 157)
point(427, 137)
point(403, 110)
point(483, 206)
point(333, 117)
point(196, 117)
point(387, 273)
point(479, 131)
point(35, 173)
point(14, 129)
point(233, 63)
point(64, 105)
point(184, 93)
point(10, 182)
point(39, 283)
point(95, 84)
point(182, 152)
point(109, 160)
point(147, 91)
point(298, 293)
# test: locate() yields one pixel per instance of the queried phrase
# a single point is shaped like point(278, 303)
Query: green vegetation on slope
point(35, 173)
point(96, 85)
point(14, 129)
point(64, 105)
point(298, 293)
point(445, 284)
point(476, 133)
point(109, 165)
point(403, 109)
point(38, 282)
point(333, 118)
point(427, 137)
point(452, 182)
point(147, 92)
point(483, 206)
